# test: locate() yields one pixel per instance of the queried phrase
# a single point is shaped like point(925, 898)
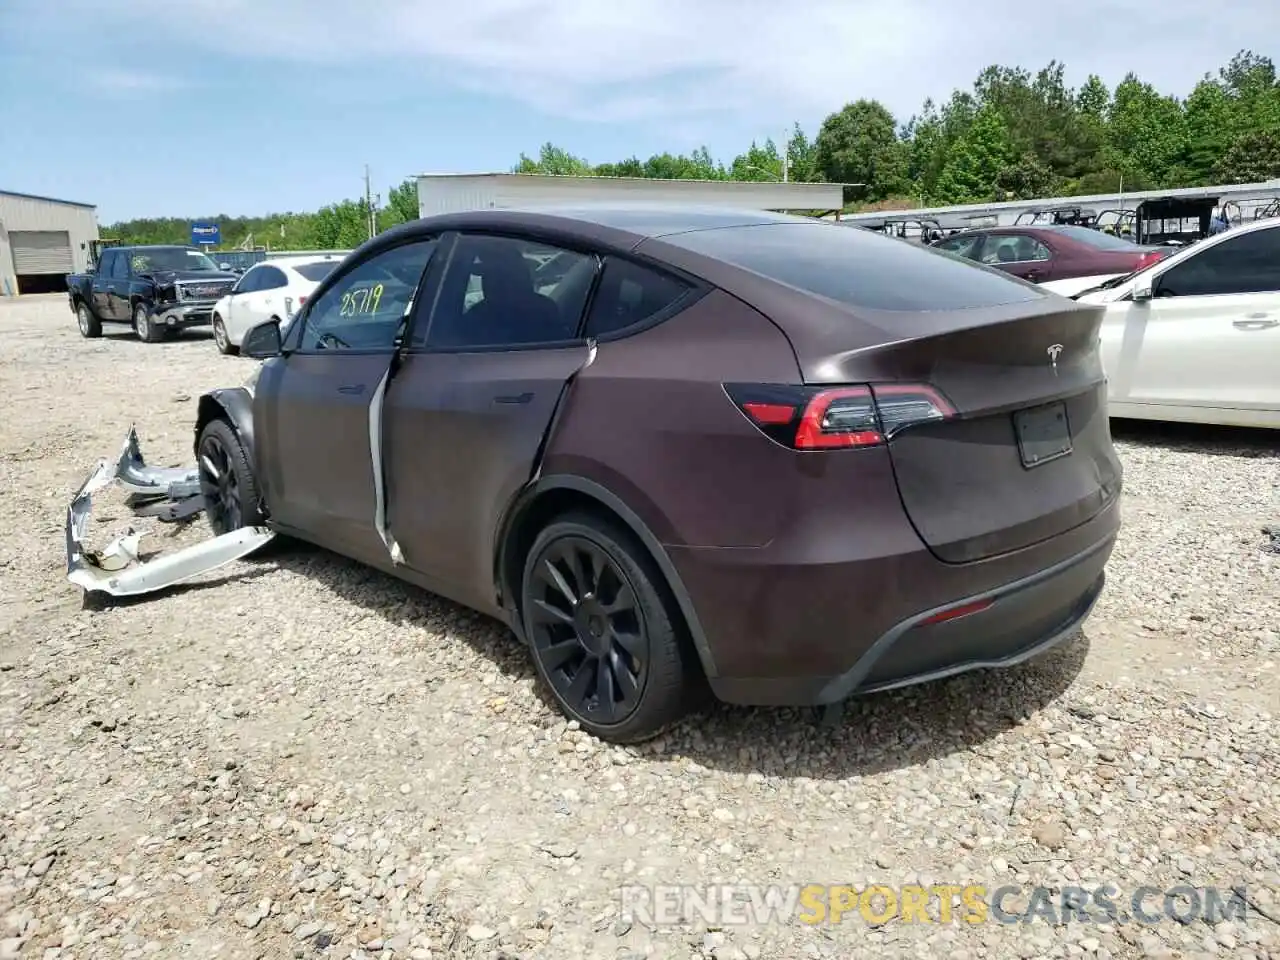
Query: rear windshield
point(316, 272)
point(858, 267)
point(1096, 238)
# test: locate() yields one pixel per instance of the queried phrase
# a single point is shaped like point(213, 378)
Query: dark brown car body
point(1051, 252)
point(799, 576)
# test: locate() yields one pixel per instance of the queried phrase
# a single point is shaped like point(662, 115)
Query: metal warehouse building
point(41, 241)
point(453, 193)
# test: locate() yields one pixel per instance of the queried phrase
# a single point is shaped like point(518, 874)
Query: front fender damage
point(167, 493)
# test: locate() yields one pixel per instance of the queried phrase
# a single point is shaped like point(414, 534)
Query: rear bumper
point(786, 627)
point(1026, 618)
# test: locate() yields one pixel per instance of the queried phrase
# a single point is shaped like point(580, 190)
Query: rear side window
point(315, 272)
point(1013, 248)
point(630, 294)
point(857, 267)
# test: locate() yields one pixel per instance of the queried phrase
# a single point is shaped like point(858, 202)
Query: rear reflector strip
point(956, 612)
point(773, 414)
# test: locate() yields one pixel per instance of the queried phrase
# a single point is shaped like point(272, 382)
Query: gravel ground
point(303, 758)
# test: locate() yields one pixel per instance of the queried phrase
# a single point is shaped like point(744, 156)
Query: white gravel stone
point(221, 771)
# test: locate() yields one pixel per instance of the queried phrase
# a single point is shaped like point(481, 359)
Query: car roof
point(619, 225)
point(1028, 228)
point(302, 260)
point(653, 220)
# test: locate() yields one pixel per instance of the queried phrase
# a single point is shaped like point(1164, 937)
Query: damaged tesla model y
point(675, 449)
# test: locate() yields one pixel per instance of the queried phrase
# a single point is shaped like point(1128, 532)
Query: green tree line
point(338, 226)
point(1013, 135)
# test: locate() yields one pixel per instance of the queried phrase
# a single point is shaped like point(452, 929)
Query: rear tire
point(88, 322)
point(227, 483)
point(147, 331)
point(221, 340)
point(606, 636)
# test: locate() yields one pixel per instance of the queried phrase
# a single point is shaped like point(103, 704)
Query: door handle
point(354, 389)
point(514, 398)
point(1256, 321)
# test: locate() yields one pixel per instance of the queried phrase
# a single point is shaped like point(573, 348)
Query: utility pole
point(786, 158)
point(371, 220)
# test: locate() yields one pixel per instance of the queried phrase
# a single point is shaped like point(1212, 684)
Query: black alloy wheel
point(219, 484)
point(227, 483)
point(606, 637)
point(589, 632)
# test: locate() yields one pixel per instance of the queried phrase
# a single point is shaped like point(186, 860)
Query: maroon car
point(1051, 252)
point(675, 448)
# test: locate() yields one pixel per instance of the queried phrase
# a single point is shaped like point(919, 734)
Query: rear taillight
point(1150, 257)
point(833, 418)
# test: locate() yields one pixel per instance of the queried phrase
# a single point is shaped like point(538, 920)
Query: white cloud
point(670, 60)
point(125, 82)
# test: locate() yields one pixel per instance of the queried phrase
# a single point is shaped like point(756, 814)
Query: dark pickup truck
point(155, 289)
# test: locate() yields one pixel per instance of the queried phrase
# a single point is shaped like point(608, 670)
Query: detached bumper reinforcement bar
point(169, 494)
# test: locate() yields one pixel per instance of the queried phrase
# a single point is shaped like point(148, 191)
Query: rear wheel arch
point(552, 497)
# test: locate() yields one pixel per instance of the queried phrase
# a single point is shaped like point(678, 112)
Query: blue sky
point(198, 107)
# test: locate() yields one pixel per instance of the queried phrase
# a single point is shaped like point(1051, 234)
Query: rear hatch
point(1025, 452)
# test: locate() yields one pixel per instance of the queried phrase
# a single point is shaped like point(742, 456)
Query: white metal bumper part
point(165, 493)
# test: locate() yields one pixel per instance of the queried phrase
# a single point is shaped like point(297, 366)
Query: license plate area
point(1044, 434)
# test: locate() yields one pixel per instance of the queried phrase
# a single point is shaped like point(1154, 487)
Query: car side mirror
point(1142, 289)
point(224, 267)
point(263, 341)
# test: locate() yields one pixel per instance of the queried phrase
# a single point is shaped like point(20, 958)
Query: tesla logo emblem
point(1054, 352)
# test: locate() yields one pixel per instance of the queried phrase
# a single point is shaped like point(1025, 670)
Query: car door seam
point(408, 321)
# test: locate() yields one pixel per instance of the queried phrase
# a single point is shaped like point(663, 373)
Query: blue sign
point(205, 233)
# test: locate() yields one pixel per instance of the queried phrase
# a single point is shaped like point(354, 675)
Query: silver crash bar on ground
point(169, 494)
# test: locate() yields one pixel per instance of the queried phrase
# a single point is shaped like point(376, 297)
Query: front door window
point(363, 309)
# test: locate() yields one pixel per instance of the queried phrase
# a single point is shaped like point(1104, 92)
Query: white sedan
point(1195, 337)
point(272, 289)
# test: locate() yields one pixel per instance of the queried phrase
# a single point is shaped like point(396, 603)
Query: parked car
point(706, 454)
point(1051, 251)
point(272, 289)
point(1196, 337)
point(157, 289)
